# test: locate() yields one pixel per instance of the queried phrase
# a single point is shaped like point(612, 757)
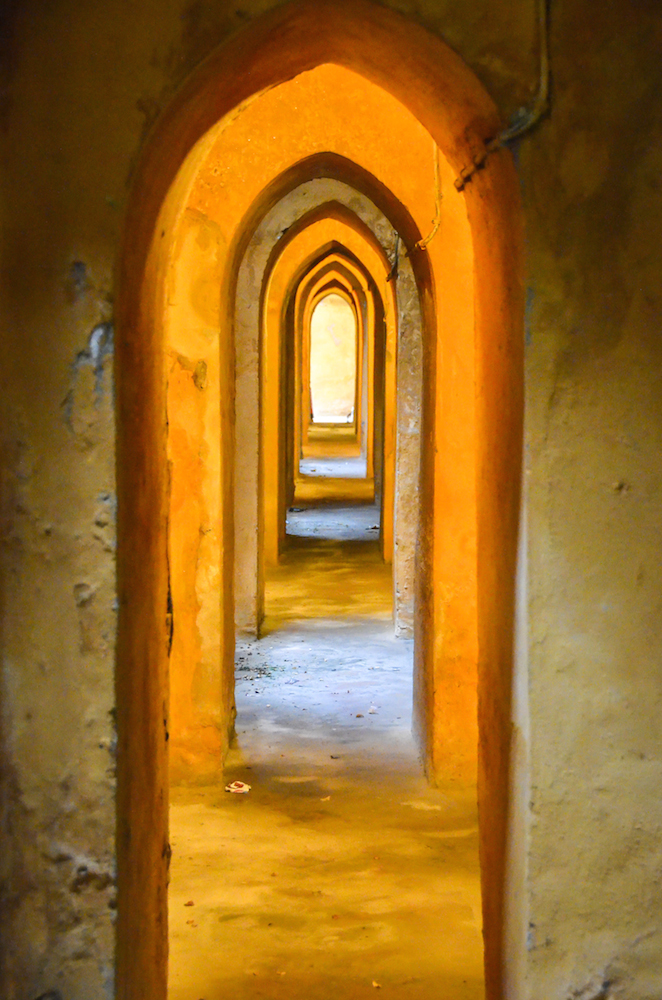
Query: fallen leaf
point(359, 715)
point(190, 903)
point(238, 787)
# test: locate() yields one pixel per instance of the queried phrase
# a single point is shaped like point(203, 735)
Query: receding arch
point(338, 271)
point(336, 223)
point(377, 322)
point(357, 288)
point(315, 197)
point(359, 302)
point(356, 294)
point(445, 96)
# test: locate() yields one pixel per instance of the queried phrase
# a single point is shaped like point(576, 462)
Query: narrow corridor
point(341, 872)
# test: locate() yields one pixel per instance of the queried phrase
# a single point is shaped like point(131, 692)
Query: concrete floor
point(352, 467)
point(341, 873)
point(334, 521)
point(333, 479)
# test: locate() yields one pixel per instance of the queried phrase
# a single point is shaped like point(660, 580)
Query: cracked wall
point(58, 769)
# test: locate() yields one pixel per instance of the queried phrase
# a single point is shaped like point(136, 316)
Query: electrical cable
point(526, 118)
point(393, 273)
point(422, 244)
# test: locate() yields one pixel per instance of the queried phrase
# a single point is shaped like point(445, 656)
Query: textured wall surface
point(591, 182)
point(81, 85)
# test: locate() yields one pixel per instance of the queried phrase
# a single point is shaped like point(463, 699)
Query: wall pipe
point(525, 118)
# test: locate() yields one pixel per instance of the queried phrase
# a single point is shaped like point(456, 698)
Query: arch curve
point(446, 97)
point(282, 276)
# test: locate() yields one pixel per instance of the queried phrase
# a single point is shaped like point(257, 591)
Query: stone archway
point(434, 85)
point(335, 222)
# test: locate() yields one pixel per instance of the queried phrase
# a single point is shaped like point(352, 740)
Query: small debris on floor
point(359, 715)
point(377, 985)
point(238, 787)
point(190, 903)
point(335, 756)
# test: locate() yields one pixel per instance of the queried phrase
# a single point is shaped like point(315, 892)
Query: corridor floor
point(336, 522)
point(341, 874)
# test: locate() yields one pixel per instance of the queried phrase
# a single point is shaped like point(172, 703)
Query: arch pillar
point(445, 97)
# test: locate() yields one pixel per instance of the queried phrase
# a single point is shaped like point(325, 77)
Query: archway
point(428, 79)
point(332, 398)
point(290, 194)
point(327, 224)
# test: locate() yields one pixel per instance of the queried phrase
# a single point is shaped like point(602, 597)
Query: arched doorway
point(337, 224)
point(442, 94)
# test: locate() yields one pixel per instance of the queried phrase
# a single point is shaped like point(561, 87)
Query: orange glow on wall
point(214, 165)
point(317, 234)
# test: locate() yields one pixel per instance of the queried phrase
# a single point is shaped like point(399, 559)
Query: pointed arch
point(441, 91)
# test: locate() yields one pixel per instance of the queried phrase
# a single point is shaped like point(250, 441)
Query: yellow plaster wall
point(198, 726)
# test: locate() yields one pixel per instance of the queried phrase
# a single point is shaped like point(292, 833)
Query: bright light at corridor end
point(333, 347)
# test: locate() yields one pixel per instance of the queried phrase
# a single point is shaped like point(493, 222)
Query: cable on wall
point(393, 273)
point(526, 118)
point(422, 244)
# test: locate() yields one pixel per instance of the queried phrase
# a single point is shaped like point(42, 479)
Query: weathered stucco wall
point(591, 182)
point(81, 85)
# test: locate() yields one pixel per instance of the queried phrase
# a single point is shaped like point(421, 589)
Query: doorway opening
point(183, 566)
point(299, 888)
point(333, 362)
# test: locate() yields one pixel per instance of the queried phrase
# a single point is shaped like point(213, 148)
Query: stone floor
point(334, 522)
point(341, 467)
point(341, 873)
